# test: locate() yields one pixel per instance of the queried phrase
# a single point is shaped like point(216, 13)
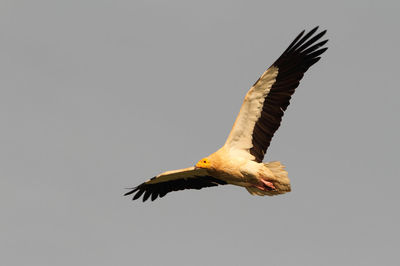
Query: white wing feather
point(185, 173)
point(240, 138)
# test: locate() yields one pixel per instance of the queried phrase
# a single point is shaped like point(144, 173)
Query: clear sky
point(97, 96)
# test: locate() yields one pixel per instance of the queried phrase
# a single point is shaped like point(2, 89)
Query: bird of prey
point(240, 160)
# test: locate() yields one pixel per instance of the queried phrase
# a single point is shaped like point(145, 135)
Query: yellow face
point(203, 163)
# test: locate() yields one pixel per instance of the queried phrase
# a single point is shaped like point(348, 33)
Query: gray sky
point(96, 96)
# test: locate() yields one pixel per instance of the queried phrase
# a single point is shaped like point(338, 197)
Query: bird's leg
point(268, 185)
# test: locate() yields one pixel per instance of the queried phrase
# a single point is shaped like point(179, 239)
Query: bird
point(240, 160)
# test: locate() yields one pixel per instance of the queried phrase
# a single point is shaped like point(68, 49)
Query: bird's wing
point(188, 178)
point(263, 107)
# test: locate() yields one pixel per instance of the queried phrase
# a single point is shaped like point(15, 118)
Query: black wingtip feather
point(146, 195)
point(132, 191)
point(294, 41)
point(154, 196)
point(314, 47)
point(311, 41)
point(302, 40)
point(318, 52)
point(138, 194)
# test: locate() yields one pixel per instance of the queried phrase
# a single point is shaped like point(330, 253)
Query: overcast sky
point(97, 96)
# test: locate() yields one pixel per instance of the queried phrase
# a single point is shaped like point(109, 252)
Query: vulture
point(240, 160)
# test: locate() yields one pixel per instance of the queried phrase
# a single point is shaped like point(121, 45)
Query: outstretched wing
point(188, 178)
point(263, 107)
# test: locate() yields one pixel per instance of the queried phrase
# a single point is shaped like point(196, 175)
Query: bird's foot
point(268, 185)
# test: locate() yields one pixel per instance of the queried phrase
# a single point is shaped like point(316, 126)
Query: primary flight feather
point(239, 161)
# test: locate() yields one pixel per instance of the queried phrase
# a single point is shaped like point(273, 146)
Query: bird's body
point(239, 161)
point(259, 178)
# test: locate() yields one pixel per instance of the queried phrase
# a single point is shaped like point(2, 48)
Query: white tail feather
point(281, 180)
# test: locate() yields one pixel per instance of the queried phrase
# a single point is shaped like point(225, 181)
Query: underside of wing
point(264, 105)
point(188, 178)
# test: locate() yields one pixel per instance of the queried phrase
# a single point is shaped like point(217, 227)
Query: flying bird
point(240, 160)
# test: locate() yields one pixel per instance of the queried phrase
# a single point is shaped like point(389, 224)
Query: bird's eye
point(204, 161)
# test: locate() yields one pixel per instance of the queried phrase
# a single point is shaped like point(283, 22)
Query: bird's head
point(203, 163)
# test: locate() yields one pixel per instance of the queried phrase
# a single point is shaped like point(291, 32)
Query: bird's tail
point(281, 180)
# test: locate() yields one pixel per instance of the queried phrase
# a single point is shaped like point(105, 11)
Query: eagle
point(240, 160)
